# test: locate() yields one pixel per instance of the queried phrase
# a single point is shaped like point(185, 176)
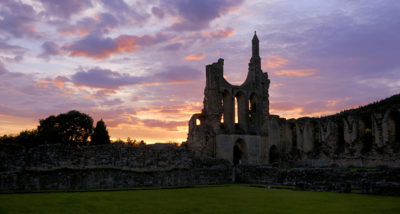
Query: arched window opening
point(274, 156)
point(198, 122)
point(223, 107)
point(239, 152)
point(250, 110)
point(242, 111)
point(236, 111)
point(237, 155)
point(252, 107)
point(228, 111)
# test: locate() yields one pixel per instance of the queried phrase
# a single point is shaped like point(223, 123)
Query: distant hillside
point(378, 106)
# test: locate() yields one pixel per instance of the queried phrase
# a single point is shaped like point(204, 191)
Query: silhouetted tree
point(7, 139)
point(131, 142)
point(27, 138)
point(72, 128)
point(100, 134)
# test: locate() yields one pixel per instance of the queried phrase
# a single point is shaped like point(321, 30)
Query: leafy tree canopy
point(72, 128)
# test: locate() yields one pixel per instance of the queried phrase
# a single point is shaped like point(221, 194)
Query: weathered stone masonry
point(364, 137)
point(217, 139)
point(57, 166)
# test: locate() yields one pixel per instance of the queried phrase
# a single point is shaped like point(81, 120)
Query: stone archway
point(239, 152)
point(274, 156)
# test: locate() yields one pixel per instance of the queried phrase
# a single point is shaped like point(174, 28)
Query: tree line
point(72, 128)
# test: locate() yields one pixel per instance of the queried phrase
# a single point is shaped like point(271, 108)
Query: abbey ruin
point(357, 149)
point(368, 136)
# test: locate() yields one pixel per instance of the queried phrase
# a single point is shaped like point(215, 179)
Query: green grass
point(217, 199)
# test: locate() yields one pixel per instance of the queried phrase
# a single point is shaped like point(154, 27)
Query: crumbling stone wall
point(382, 181)
point(58, 166)
point(362, 138)
point(61, 167)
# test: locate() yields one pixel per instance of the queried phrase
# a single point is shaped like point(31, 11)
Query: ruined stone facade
point(369, 136)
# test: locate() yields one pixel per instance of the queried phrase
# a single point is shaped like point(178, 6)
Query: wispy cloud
point(296, 72)
point(65, 8)
point(98, 47)
point(106, 78)
point(195, 56)
point(220, 33)
point(274, 62)
point(196, 15)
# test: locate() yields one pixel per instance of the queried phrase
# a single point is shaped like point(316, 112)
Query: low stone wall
point(68, 179)
point(61, 167)
point(149, 157)
point(375, 181)
point(108, 166)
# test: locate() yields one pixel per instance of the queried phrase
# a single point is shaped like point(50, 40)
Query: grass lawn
point(214, 199)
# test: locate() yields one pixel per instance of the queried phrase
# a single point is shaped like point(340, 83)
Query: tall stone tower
point(214, 131)
point(255, 60)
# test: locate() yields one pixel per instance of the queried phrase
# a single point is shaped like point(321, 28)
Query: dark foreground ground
point(201, 199)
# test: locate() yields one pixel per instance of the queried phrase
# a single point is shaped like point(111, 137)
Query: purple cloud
point(98, 47)
point(103, 23)
point(3, 69)
point(18, 52)
point(116, 5)
point(82, 27)
point(50, 49)
point(18, 19)
point(7, 75)
point(116, 101)
point(157, 12)
point(93, 46)
point(156, 123)
point(172, 47)
point(196, 15)
point(64, 8)
point(105, 78)
point(125, 11)
point(15, 49)
point(169, 125)
point(176, 74)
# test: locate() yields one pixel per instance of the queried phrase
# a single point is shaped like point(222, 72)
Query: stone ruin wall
point(352, 138)
point(381, 181)
point(58, 166)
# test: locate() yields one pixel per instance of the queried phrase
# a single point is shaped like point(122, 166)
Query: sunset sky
point(140, 65)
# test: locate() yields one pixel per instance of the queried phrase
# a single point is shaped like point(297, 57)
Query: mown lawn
point(214, 199)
